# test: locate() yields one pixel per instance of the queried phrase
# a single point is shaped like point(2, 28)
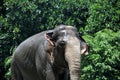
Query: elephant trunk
point(72, 56)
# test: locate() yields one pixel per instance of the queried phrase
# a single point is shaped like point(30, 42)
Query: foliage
point(104, 58)
point(5, 44)
point(103, 14)
point(97, 20)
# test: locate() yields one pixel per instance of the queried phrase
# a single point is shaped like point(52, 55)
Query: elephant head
point(67, 51)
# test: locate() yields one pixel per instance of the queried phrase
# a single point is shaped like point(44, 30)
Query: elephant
point(50, 55)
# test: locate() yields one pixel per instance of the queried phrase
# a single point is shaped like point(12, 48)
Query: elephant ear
point(84, 46)
point(49, 37)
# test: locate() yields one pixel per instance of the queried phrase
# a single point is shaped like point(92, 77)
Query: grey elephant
point(49, 55)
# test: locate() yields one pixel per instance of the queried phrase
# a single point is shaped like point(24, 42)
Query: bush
point(104, 58)
point(97, 20)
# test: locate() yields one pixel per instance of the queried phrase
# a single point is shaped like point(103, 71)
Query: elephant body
point(30, 60)
point(49, 55)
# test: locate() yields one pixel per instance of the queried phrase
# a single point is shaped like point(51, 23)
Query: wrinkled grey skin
point(50, 55)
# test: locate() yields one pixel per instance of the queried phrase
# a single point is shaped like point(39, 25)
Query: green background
point(98, 21)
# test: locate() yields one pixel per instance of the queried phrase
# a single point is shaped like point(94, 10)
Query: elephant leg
point(62, 76)
point(16, 74)
point(49, 73)
point(66, 75)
